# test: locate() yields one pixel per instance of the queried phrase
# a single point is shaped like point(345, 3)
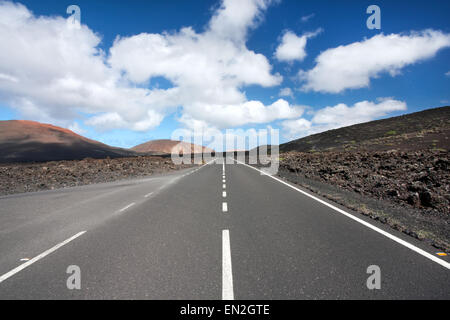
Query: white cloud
point(239, 139)
point(293, 129)
point(234, 17)
point(292, 47)
point(75, 127)
point(286, 92)
point(55, 71)
point(7, 77)
point(341, 115)
point(307, 18)
point(447, 73)
point(50, 71)
point(352, 66)
point(236, 115)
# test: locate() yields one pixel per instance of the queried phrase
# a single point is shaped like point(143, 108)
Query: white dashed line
point(148, 194)
point(224, 207)
point(128, 206)
point(38, 257)
point(224, 194)
point(227, 273)
point(224, 186)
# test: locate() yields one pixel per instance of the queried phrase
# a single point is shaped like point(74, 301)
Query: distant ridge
point(28, 141)
point(425, 129)
point(166, 146)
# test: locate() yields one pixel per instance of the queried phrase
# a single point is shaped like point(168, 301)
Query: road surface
point(212, 232)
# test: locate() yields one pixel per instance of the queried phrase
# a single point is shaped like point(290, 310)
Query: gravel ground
point(18, 178)
point(410, 191)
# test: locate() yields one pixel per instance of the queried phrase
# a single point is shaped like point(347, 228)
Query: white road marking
point(365, 223)
point(128, 206)
point(227, 273)
point(148, 194)
point(224, 186)
point(224, 194)
point(38, 257)
point(207, 163)
point(223, 181)
point(224, 207)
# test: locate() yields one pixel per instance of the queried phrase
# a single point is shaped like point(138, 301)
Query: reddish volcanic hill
point(25, 141)
point(169, 146)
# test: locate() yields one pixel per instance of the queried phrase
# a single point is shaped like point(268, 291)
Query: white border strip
point(227, 273)
point(386, 234)
point(38, 257)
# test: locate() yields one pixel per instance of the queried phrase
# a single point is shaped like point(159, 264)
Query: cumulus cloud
point(250, 112)
point(296, 128)
point(341, 115)
point(235, 17)
point(292, 47)
point(286, 92)
point(352, 66)
point(50, 71)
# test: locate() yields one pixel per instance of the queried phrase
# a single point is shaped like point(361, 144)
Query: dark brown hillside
point(168, 146)
point(415, 131)
point(28, 141)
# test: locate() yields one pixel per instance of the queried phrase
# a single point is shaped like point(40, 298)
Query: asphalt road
point(216, 232)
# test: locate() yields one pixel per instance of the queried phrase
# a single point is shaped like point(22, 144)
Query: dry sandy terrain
point(15, 178)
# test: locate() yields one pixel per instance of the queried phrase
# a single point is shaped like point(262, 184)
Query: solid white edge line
point(38, 257)
point(128, 206)
point(227, 273)
point(224, 207)
point(365, 223)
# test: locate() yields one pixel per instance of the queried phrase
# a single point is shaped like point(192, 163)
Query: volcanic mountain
point(169, 146)
point(415, 131)
point(27, 141)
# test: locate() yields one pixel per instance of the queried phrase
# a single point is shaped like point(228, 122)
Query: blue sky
point(399, 69)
